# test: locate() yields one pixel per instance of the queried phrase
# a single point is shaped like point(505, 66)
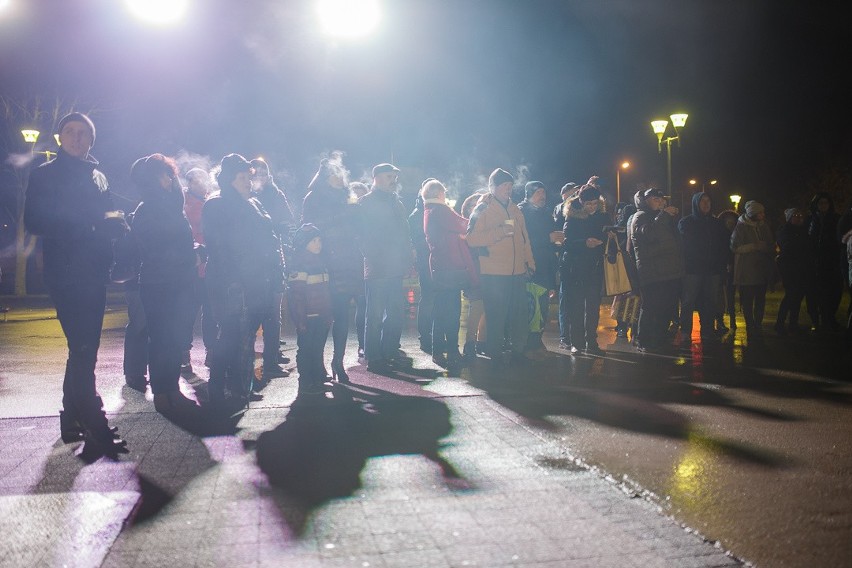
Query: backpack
point(125, 254)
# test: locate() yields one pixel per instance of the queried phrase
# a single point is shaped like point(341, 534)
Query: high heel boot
point(338, 372)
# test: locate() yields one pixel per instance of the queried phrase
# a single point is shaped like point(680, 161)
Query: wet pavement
point(620, 460)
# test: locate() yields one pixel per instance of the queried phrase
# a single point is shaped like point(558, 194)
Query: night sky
point(554, 90)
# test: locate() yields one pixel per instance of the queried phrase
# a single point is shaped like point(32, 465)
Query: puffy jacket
point(499, 255)
point(754, 252)
point(329, 209)
point(65, 205)
point(384, 232)
point(705, 241)
point(655, 245)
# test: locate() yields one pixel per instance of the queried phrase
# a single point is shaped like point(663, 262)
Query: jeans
point(309, 355)
point(170, 313)
point(383, 323)
point(584, 308)
point(505, 301)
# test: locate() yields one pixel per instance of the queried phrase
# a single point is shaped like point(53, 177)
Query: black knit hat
point(76, 117)
point(531, 188)
point(499, 177)
point(304, 235)
point(589, 193)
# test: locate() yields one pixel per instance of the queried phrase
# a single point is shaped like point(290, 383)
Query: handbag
point(625, 308)
point(616, 280)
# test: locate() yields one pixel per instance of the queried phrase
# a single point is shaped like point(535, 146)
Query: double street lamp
point(31, 137)
point(660, 126)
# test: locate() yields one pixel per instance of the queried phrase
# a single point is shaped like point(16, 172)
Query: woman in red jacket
point(452, 269)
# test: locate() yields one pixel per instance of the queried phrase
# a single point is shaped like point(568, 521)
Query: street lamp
point(624, 166)
point(659, 126)
point(704, 184)
point(31, 137)
point(735, 199)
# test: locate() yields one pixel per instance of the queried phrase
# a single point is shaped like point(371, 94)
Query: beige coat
point(506, 255)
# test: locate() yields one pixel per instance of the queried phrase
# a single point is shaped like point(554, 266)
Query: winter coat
point(822, 230)
point(655, 245)
point(705, 241)
point(278, 208)
point(754, 252)
point(337, 219)
point(242, 249)
point(308, 289)
point(65, 205)
point(540, 224)
point(164, 239)
point(579, 261)
point(385, 240)
point(795, 252)
point(499, 255)
point(448, 251)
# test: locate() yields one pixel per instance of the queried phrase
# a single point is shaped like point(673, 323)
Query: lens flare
point(348, 18)
point(161, 12)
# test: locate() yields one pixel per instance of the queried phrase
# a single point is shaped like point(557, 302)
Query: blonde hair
point(432, 189)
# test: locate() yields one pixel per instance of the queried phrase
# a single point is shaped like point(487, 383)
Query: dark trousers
point(564, 317)
point(80, 310)
point(209, 329)
point(233, 354)
point(360, 318)
point(271, 325)
point(135, 335)
point(828, 288)
point(383, 323)
point(505, 301)
point(659, 302)
point(340, 302)
point(584, 309)
point(797, 286)
point(445, 321)
point(170, 313)
point(753, 304)
point(700, 292)
point(425, 307)
point(309, 356)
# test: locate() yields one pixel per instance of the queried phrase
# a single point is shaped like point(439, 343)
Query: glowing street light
point(735, 199)
point(348, 18)
point(159, 12)
point(30, 136)
point(624, 166)
point(659, 127)
point(704, 184)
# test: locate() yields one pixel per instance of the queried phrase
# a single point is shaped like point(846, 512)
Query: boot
point(100, 439)
point(470, 350)
point(70, 428)
point(338, 372)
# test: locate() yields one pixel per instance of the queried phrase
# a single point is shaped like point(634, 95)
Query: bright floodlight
point(158, 11)
point(348, 18)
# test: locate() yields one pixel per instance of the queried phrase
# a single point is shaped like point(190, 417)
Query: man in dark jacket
point(705, 244)
point(541, 228)
point(69, 205)
point(656, 246)
point(388, 255)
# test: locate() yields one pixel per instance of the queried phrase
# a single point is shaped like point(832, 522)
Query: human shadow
point(318, 452)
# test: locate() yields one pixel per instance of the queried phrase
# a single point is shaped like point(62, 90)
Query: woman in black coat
point(167, 276)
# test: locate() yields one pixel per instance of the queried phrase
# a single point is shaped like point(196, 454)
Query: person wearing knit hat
point(76, 134)
point(498, 227)
point(543, 238)
point(795, 266)
point(754, 253)
point(70, 207)
point(753, 208)
point(309, 303)
point(244, 272)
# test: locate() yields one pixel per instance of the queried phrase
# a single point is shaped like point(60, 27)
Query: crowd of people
point(232, 251)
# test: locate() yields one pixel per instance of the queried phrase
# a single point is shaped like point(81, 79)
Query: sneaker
point(564, 345)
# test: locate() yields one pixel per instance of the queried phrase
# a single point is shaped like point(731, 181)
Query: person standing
point(473, 313)
point(569, 190)
point(277, 206)
point(244, 270)
point(796, 266)
point(310, 302)
point(70, 207)
point(828, 280)
point(754, 252)
point(358, 190)
point(426, 304)
point(705, 244)
point(655, 244)
point(497, 227)
point(328, 207)
point(582, 269)
point(388, 256)
point(543, 242)
point(452, 270)
point(167, 275)
point(196, 193)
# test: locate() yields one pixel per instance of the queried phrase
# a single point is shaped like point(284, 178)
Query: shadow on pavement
point(319, 451)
